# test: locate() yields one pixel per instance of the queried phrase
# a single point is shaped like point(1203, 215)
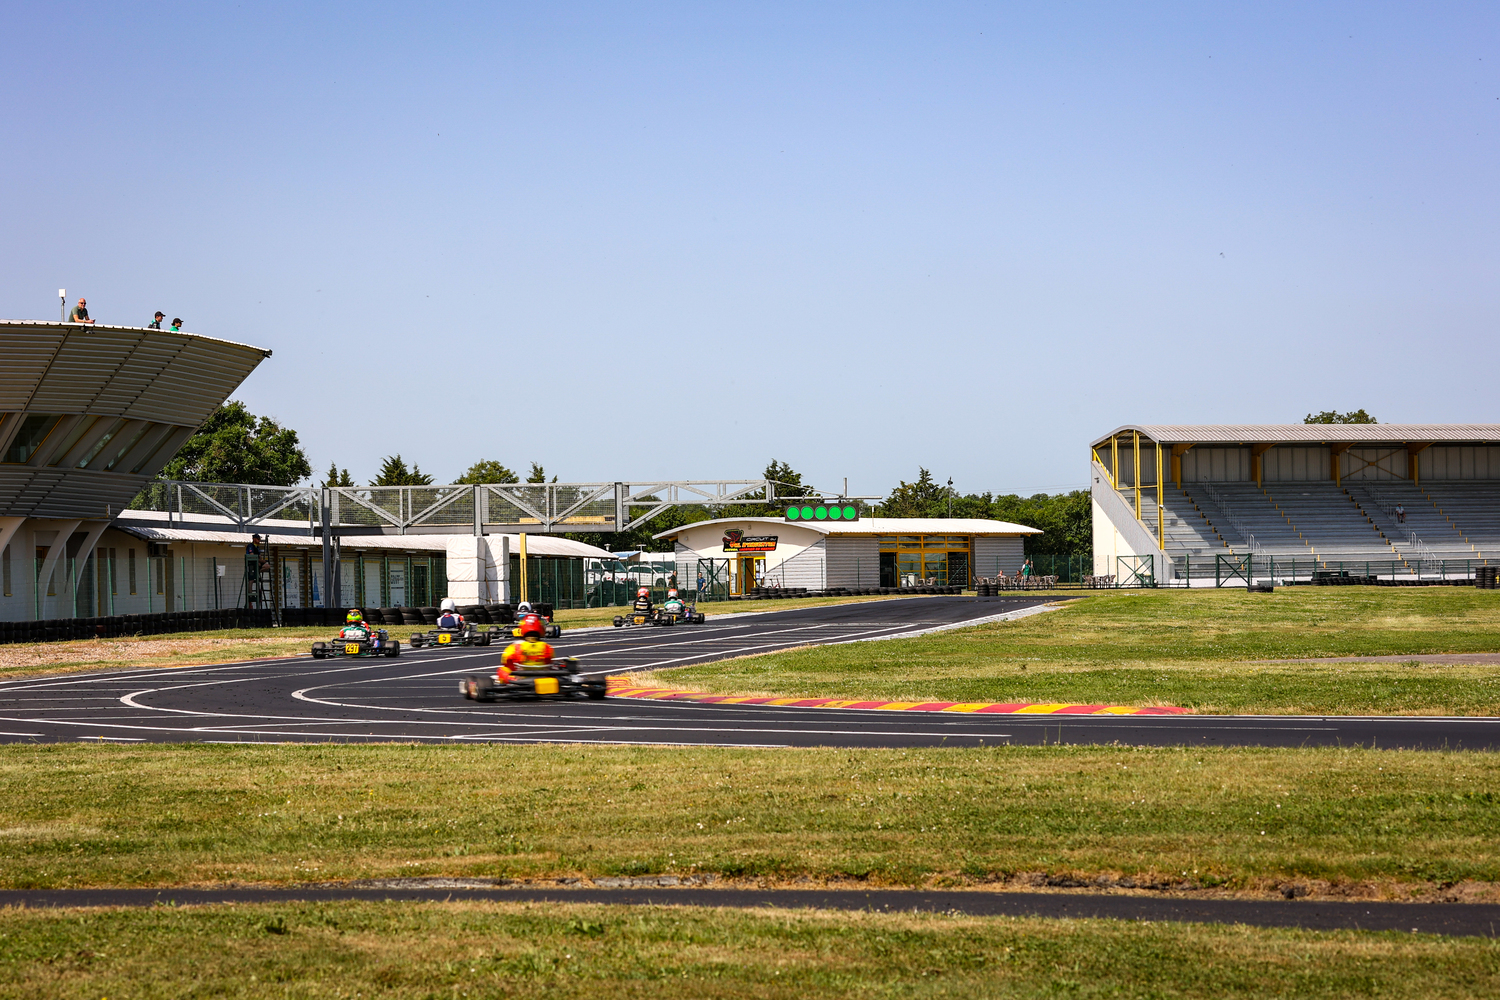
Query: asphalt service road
point(416, 697)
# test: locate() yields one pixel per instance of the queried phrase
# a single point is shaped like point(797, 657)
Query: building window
point(131, 562)
point(29, 436)
point(914, 559)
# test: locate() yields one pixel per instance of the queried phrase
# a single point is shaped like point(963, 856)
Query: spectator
point(80, 313)
point(177, 324)
point(155, 324)
point(1400, 513)
point(1026, 569)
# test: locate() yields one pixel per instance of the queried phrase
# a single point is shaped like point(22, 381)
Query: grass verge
point(410, 950)
point(1185, 648)
point(1361, 822)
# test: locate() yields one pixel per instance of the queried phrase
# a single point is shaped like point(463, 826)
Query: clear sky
point(677, 240)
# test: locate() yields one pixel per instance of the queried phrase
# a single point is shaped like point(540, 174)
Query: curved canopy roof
point(1310, 434)
point(881, 526)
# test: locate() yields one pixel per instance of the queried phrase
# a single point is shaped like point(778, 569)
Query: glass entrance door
point(748, 571)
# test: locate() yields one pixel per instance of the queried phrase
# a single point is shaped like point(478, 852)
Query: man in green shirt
point(80, 313)
point(155, 323)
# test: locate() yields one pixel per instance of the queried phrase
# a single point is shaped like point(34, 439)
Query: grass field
point(1186, 648)
point(185, 649)
point(1341, 821)
point(406, 950)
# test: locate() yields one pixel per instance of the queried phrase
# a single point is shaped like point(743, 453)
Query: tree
point(1334, 417)
point(236, 446)
point(393, 472)
point(788, 484)
point(923, 498)
point(487, 471)
point(337, 476)
point(538, 474)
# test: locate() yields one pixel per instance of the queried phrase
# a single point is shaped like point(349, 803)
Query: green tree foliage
point(1066, 518)
point(393, 472)
point(487, 471)
point(337, 476)
point(538, 474)
point(923, 498)
point(1334, 417)
point(236, 446)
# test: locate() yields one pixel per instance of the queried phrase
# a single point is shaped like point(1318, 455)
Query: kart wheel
point(484, 689)
point(394, 649)
point(554, 632)
point(416, 642)
point(317, 654)
point(619, 622)
point(698, 619)
point(467, 686)
point(595, 692)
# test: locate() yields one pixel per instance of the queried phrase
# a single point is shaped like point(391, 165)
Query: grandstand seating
point(1327, 524)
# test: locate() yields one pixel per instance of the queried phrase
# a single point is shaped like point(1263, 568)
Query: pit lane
point(415, 698)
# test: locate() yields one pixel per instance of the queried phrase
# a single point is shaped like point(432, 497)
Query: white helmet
point(448, 604)
point(672, 593)
point(524, 608)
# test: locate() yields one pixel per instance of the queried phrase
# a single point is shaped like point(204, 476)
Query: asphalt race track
point(416, 698)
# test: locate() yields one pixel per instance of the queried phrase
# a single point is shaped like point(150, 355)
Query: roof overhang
point(1244, 435)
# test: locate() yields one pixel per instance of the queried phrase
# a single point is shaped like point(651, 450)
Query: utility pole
point(950, 496)
point(62, 309)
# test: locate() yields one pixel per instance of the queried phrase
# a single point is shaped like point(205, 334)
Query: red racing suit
point(521, 654)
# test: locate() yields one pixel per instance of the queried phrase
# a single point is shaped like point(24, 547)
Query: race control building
point(869, 552)
point(1298, 501)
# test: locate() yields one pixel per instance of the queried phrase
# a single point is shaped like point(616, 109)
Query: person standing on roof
point(155, 323)
point(176, 325)
point(80, 313)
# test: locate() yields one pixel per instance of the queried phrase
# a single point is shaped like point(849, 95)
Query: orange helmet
point(532, 625)
point(642, 592)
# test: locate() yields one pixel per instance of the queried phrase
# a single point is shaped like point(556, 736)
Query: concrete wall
point(1117, 532)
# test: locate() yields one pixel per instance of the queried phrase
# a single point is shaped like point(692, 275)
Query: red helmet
point(532, 625)
point(642, 592)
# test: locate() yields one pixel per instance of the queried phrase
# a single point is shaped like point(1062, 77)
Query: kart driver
point(642, 602)
point(673, 603)
point(355, 626)
point(531, 650)
point(450, 618)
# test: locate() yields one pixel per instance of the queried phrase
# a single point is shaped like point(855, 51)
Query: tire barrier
point(786, 593)
point(1487, 577)
point(118, 626)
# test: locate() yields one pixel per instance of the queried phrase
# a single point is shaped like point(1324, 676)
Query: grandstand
point(1295, 502)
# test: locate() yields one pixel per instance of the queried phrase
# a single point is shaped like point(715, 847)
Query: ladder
point(257, 584)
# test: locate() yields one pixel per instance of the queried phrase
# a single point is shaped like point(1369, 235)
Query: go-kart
point(552, 632)
point(374, 643)
point(468, 634)
point(685, 614)
point(559, 679)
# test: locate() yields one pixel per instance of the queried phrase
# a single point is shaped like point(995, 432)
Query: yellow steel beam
point(1161, 521)
point(1334, 451)
point(1137, 484)
point(1255, 452)
point(1412, 451)
point(1178, 450)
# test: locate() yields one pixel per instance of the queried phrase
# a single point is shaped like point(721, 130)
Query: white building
point(872, 552)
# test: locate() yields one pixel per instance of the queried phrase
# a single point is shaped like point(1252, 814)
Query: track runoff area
point(416, 697)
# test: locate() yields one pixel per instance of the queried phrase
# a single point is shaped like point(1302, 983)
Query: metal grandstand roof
point(881, 526)
point(1246, 434)
point(108, 406)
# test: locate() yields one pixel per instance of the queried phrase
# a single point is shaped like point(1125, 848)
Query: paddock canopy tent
point(89, 414)
point(746, 552)
point(1173, 501)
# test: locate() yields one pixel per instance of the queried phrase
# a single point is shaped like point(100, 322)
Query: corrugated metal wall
point(1295, 464)
point(852, 561)
point(993, 554)
point(1216, 465)
point(805, 569)
point(1459, 462)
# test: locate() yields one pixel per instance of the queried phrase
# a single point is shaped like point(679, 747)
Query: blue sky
point(677, 240)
